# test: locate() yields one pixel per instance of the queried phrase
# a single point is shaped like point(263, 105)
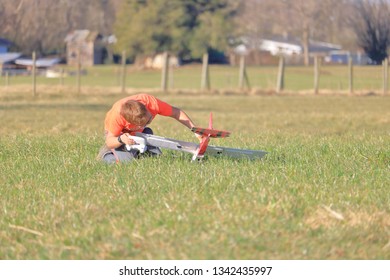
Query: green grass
point(321, 192)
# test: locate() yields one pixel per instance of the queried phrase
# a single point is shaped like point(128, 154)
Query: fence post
point(350, 71)
point(79, 71)
point(34, 74)
point(243, 77)
point(316, 74)
point(62, 73)
point(164, 72)
point(6, 79)
point(170, 74)
point(280, 80)
point(385, 64)
point(205, 82)
point(123, 72)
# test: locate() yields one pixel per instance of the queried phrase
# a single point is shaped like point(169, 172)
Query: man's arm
point(112, 140)
point(183, 118)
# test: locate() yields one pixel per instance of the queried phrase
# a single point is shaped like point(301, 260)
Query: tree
point(258, 19)
point(372, 27)
point(41, 25)
point(303, 17)
point(211, 24)
point(308, 20)
point(187, 28)
point(149, 27)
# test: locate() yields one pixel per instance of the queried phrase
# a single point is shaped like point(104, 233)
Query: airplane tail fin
point(206, 133)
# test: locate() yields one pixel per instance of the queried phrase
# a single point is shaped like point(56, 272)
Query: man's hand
point(112, 141)
point(125, 137)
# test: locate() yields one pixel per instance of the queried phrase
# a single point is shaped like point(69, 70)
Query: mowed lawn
point(322, 192)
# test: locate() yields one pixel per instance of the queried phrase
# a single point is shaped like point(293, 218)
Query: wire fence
point(316, 79)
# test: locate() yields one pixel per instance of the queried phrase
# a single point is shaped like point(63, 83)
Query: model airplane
point(198, 151)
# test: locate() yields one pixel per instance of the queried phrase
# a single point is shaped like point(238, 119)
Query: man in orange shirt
point(130, 115)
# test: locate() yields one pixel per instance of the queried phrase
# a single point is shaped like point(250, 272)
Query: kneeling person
point(130, 115)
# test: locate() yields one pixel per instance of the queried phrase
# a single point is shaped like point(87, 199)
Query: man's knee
point(109, 158)
point(147, 130)
point(120, 155)
point(152, 150)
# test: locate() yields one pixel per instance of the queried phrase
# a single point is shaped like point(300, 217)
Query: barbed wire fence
point(167, 81)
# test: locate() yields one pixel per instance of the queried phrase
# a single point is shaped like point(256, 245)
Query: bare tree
point(42, 25)
point(371, 23)
point(260, 18)
point(8, 12)
point(305, 19)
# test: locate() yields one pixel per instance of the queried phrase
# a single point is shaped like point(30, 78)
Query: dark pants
point(121, 154)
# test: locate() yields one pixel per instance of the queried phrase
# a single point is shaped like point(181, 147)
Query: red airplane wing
point(214, 133)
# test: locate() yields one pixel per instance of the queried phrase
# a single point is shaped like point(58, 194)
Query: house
point(14, 64)
point(7, 62)
point(45, 66)
point(343, 57)
point(40, 63)
point(291, 48)
point(281, 47)
point(4, 45)
point(86, 46)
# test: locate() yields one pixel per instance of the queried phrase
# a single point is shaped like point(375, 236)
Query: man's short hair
point(134, 112)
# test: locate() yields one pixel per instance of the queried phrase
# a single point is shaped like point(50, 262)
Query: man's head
point(136, 113)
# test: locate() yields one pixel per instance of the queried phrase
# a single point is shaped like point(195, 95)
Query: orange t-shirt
point(117, 124)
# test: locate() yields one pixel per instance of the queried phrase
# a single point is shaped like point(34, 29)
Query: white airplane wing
point(189, 147)
point(167, 143)
point(234, 153)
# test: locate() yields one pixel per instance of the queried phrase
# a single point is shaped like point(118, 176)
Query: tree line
point(189, 28)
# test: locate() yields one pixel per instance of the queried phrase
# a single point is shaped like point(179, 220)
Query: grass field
point(222, 77)
point(322, 192)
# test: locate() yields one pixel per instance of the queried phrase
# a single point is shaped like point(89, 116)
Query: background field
point(321, 193)
point(333, 78)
